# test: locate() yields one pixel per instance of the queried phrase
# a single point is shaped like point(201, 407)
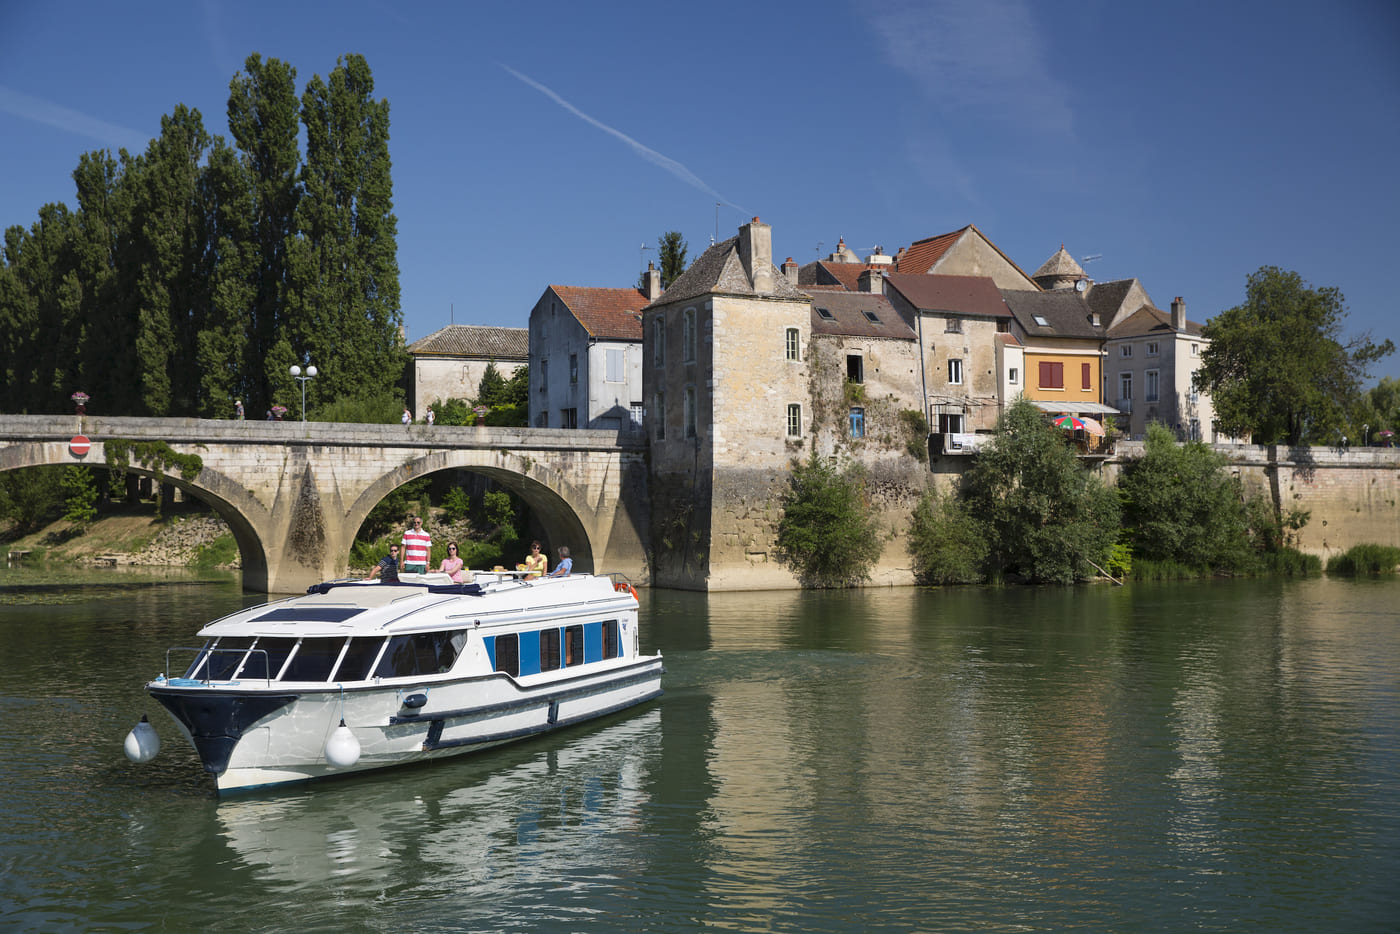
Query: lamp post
point(296, 375)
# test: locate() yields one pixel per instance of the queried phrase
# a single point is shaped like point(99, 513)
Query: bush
point(456, 504)
point(1369, 560)
point(1290, 562)
point(1181, 508)
point(1048, 519)
point(221, 551)
point(948, 546)
point(452, 412)
point(827, 535)
point(31, 497)
point(372, 408)
point(80, 504)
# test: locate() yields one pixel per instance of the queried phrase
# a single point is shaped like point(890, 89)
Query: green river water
point(1216, 756)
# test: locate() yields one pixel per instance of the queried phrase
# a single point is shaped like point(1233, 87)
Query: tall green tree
point(104, 247)
point(172, 287)
point(226, 349)
point(263, 118)
point(670, 251)
point(1047, 517)
point(1180, 505)
point(1278, 366)
point(343, 303)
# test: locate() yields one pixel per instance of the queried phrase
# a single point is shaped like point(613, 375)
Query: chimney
point(872, 280)
point(756, 253)
point(790, 269)
point(1179, 314)
point(653, 289)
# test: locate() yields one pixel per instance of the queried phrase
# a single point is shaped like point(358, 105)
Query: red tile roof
point(607, 313)
point(922, 254)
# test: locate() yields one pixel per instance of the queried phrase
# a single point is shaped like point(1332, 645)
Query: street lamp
point(296, 375)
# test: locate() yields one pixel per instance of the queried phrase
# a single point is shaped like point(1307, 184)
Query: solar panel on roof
point(309, 614)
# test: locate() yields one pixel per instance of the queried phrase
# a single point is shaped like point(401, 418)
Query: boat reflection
point(502, 818)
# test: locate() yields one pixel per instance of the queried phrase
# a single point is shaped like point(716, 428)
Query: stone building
point(586, 357)
point(449, 363)
point(1152, 357)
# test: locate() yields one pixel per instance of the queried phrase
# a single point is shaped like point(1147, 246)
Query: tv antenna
point(641, 254)
point(1090, 258)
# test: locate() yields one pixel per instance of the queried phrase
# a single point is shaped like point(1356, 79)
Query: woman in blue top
point(566, 564)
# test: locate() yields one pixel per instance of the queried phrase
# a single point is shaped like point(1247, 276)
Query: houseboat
point(359, 675)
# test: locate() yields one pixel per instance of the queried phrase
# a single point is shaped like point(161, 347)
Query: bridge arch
point(295, 494)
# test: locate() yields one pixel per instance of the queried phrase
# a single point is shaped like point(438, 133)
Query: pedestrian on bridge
point(238, 409)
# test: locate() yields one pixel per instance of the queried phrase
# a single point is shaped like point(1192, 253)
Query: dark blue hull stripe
point(533, 700)
point(542, 728)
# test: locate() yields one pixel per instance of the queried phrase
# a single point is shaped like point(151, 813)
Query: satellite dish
point(1081, 284)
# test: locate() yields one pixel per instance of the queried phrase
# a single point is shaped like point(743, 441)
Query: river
point(1214, 756)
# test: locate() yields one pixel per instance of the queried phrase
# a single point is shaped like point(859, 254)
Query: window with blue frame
point(857, 422)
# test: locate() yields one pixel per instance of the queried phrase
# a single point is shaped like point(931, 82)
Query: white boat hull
point(254, 727)
point(460, 717)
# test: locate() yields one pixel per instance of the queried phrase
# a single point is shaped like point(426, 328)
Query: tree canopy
point(828, 534)
point(1278, 367)
point(1180, 505)
point(1047, 518)
point(670, 250)
point(197, 272)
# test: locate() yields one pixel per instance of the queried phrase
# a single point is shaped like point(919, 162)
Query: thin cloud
point(38, 110)
point(983, 56)
point(651, 155)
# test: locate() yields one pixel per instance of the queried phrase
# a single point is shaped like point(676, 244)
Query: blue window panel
point(490, 643)
point(593, 642)
point(529, 653)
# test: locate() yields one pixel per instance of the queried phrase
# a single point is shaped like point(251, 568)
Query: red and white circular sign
point(80, 445)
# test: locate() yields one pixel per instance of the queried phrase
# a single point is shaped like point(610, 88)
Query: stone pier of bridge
point(294, 494)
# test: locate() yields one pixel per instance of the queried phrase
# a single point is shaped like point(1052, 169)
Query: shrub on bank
point(1365, 560)
point(828, 534)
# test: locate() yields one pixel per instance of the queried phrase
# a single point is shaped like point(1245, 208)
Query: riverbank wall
point(1351, 498)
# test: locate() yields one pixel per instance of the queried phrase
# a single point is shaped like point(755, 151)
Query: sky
point(1184, 144)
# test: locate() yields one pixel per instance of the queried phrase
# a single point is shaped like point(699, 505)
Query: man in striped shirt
point(417, 547)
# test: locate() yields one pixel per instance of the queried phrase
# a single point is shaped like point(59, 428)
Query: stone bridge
point(294, 494)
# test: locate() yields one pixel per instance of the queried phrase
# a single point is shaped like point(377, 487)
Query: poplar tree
point(103, 248)
point(173, 273)
point(263, 119)
point(344, 298)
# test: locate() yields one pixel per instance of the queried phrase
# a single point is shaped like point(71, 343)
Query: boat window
point(549, 650)
point(573, 645)
point(268, 654)
point(199, 660)
point(610, 643)
point(225, 657)
point(506, 654)
point(314, 659)
point(359, 657)
point(420, 653)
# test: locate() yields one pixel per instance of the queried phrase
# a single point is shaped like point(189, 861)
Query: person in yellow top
point(536, 562)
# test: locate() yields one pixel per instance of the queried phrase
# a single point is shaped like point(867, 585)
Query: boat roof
point(374, 608)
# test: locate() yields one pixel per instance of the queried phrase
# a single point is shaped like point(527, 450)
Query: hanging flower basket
point(80, 399)
point(278, 411)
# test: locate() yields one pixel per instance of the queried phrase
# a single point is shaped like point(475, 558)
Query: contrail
point(651, 155)
point(63, 118)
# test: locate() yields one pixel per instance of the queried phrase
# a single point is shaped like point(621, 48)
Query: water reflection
point(510, 819)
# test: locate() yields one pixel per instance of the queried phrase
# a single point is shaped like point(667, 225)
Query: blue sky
point(1186, 144)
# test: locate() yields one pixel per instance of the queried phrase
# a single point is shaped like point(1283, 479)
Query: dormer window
point(871, 317)
point(824, 313)
point(1040, 320)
